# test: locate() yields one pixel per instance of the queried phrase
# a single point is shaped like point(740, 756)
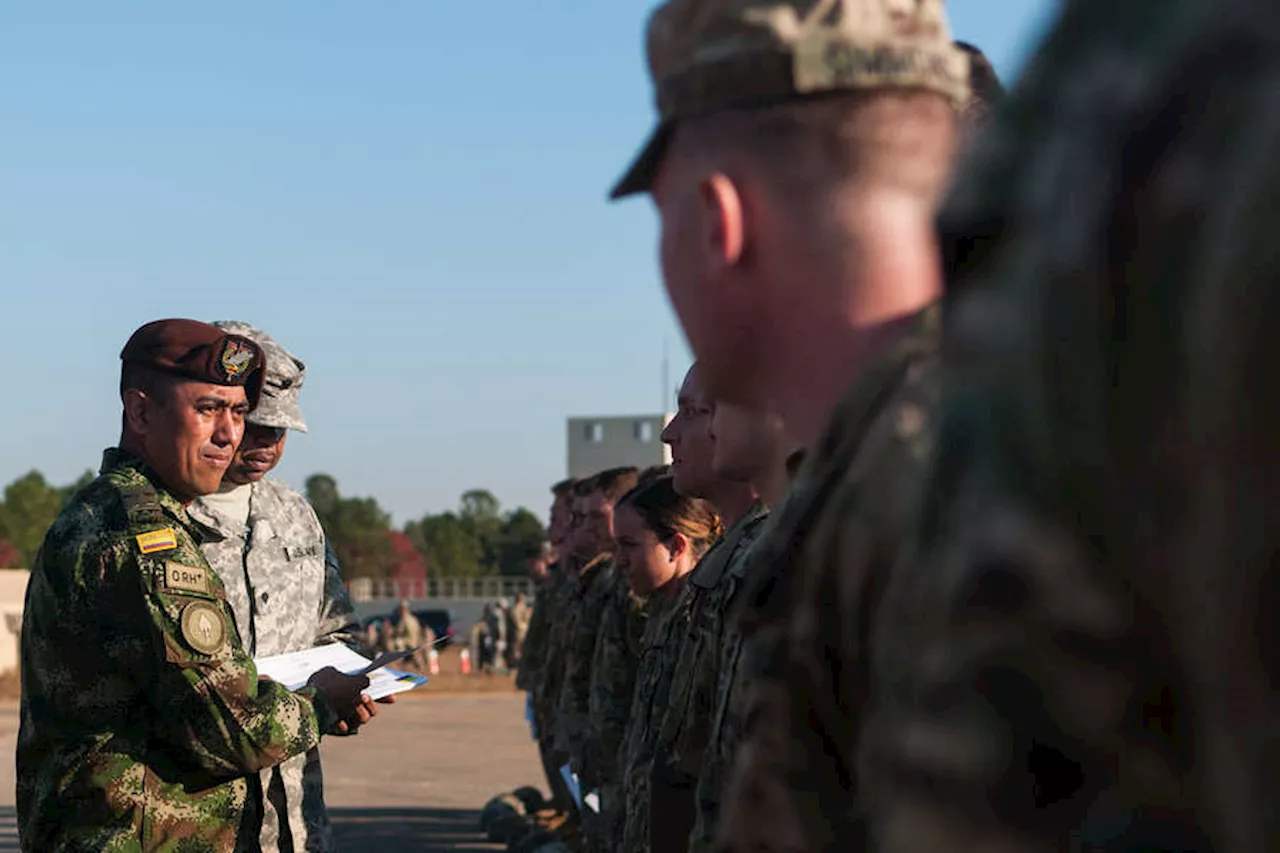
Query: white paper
point(293, 670)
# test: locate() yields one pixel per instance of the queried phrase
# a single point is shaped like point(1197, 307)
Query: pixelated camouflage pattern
point(275, 572)
point(613, 680)
point(130, 739)
point(593, 587)
point(783, 772)
point(666, 626)
point(681, 727)
point(1084, 653)
point(534, 649)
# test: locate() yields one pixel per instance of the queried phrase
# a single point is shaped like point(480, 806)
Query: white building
point(611, 442)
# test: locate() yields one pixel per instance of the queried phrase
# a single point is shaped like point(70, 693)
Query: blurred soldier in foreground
point(659, 536)
point(1087, 642)
point(144, 723)
point(800, 156)
point(283, 582)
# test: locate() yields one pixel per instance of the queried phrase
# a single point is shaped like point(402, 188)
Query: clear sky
point(409, 195)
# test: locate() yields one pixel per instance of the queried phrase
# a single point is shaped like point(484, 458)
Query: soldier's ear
point(678, 545)
point(137, 411)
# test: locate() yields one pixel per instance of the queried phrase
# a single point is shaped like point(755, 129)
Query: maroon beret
point(198, 351)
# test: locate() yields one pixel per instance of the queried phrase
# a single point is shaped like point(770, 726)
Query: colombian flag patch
point(157, 540)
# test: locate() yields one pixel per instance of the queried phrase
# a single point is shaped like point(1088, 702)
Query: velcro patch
point(297, 552)
point(187, 578)
point(204, 627)
point(157, 540)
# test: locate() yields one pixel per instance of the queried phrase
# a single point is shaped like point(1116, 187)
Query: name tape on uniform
point(186, 578)
point(157, 540)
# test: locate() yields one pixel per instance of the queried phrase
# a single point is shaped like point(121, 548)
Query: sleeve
point(576, 692)
point(337, 621)
point(534, 645)
point(208, 704)
point(794, 781)
point(613, 683)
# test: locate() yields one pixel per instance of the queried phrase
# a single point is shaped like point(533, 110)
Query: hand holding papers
point(293, 670)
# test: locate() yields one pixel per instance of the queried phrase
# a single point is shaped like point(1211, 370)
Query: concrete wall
point(597, 443)
point(13, 593)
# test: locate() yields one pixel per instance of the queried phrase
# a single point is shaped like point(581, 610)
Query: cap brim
point(639, 177)
point(278, 415)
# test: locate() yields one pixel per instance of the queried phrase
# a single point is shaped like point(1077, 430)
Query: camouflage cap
point(282, 383)
point(196, 351)
point(710, 55)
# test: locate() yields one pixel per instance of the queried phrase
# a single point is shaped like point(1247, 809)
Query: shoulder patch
point(204, 627)
point(187, 578)
point(157, 540)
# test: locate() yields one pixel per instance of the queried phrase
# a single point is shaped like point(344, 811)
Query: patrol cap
point(198, 351)
point(282, 384)
point(710, 55)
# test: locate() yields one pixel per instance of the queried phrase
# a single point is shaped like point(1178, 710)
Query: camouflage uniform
point(795, 710)
point(613, 678)
point(665, 627)
point(276, 571)
point(534, 648)
point(1083, 655)
point(546, 673)
point(593, 588)
point(682, 725)
point(143, 719)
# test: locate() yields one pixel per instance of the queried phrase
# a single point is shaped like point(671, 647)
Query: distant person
point(402, 631)
point(496, 628)
point(144, 724)
point(518, 624)
point(283, 581)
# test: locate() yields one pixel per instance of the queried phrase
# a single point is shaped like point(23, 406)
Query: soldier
point(833, 126)
point(593, 535)
point(572, 563)
point(659, 536)
point(268, 549)
point(518, 616)
point(676, 685)
point(144, 723)
point(402, 631)
point(534, 660)
point(1088, 659)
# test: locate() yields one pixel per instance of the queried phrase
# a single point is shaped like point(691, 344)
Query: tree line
point(478, 538)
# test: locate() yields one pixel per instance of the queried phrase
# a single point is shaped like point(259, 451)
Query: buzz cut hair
point(613, 483)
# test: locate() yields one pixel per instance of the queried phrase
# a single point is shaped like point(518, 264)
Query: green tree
point(357, 529)
point(449, 547)
point(30, 506)
point(522, 537)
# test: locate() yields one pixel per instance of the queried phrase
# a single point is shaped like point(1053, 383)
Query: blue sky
point(409, 195)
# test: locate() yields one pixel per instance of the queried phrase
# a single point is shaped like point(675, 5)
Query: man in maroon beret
point(144, 722)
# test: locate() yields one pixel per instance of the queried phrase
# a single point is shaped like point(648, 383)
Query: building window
point(643, 431)
point(594, 432)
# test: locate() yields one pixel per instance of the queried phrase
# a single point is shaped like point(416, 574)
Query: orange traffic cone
point(464, 661)
point(433, 662)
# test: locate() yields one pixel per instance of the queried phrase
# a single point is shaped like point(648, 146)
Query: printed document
point(293, 670)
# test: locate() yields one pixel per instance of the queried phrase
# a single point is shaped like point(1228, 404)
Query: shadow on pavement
point(425, 830)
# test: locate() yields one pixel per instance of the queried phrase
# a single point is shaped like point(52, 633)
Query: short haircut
point(148, 380)
point(584, 486)
point(987, 91)
point(564, 488)
point(616, 482)
point(808, 148)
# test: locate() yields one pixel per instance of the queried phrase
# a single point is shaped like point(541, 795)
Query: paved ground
point(414, 779)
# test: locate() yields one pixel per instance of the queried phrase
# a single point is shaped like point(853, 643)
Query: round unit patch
point(204, 627)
